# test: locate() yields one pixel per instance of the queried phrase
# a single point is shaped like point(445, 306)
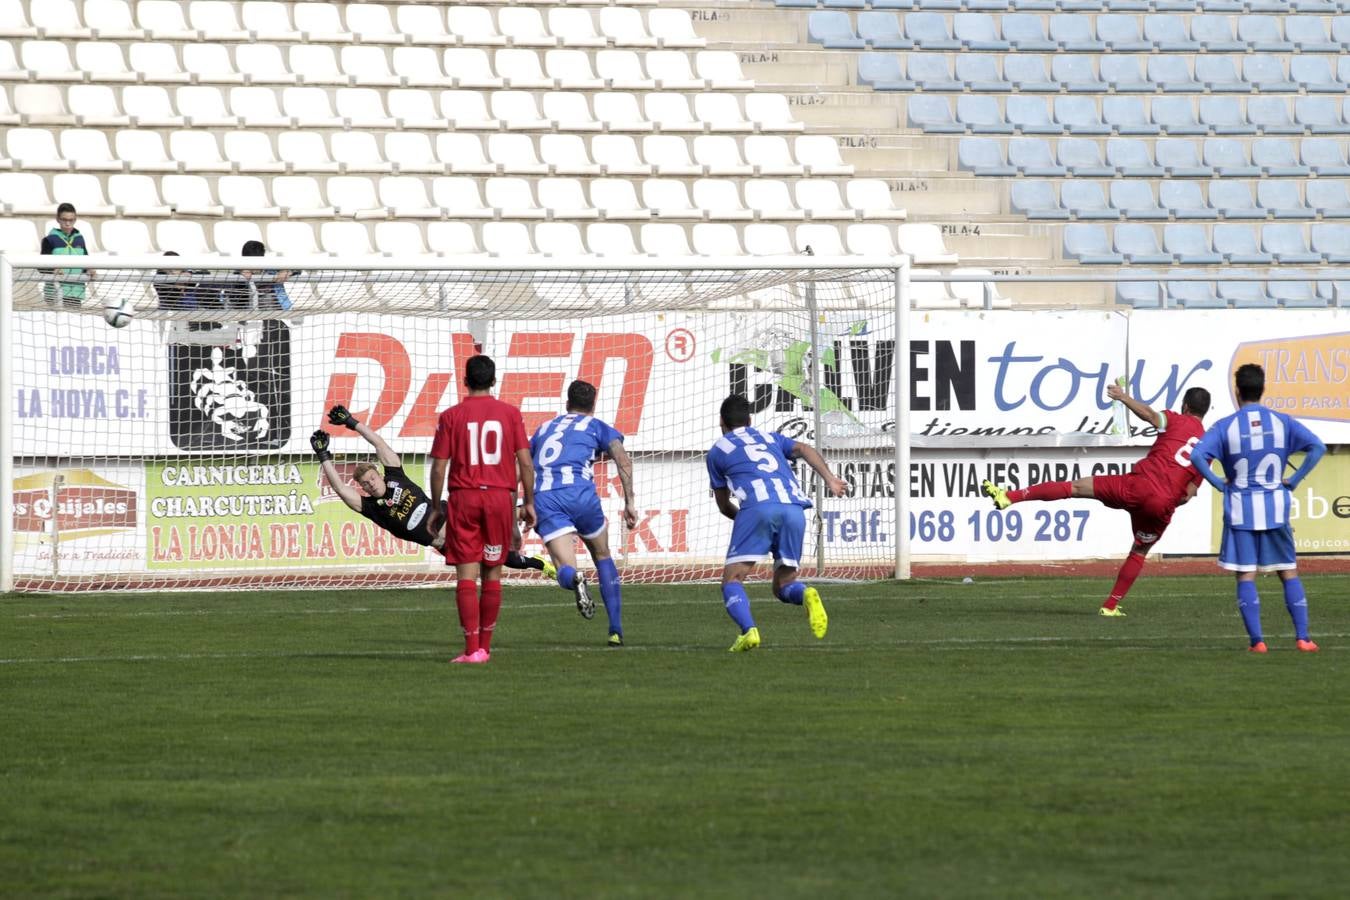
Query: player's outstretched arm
point(340, 415)
point(624, 463)
point(1140, 409)
point(318, 441)
point(836, 486)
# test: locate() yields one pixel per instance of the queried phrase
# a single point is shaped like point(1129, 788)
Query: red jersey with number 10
point(480, 436)
point(1168, 463)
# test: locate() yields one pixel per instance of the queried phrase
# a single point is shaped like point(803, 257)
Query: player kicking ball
point(769, 514)
point(567, 504)
point(1150, 493)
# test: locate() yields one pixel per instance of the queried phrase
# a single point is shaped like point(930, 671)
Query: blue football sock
point(567, 577)
point(738, 605)
point(792, 593)
point(1249, 604)
point(1297, 603)
point(611, 593)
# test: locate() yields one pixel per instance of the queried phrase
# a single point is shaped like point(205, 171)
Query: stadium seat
point(103, 62)
point(928, 30)
point(246, 196)
point(1178, 158)
point(626, 26)
point(669, 112)
point(25, 194)
point(1176, 115)
point(523, 26)
point(1027, 73)
point(188, 195)
point(561, 239)
point(819, 155)
point(983, 156)
point(1214, 33)
point(420, 67)
point(1140, 294)
point(1324, 156)
point(982, 115)
point(1076, 73)
point(664, 240)
point(980, 72)
point(1281, 200)
point(143, 151)
point(305, 151)
point(716, 154)
point(228, 237)
point(300, 198)
point(923, 242)
point(1168, 34)
point(1309, 35)
point(1032, 157)
point(883, 72)
point(1079, 116)
point(317, 64)
point(1314, 75)
point(881, 31)
point(721, 198)
point(672, 28)
point(59, 19)
point(1135, 200)
point(1130, 158)
point(576, 28)
point(1172, 74)
point(1224, 115)
point(1127, 115)
point(932, 114)
point(1296, 294)
point(610, 239)
point(770, 199)
point(517, 111)
point(617, 154)
point(1027, 115)
point(512, 198)
point(1270, 115)
point(1329, 199)
point(1138, 243)
point(769, 154)
point(1085, 200)
point(1233, 200)
point(1189, 244)
point(1244, 294)
point(508, 240)
point(1090, 245)
point(188, 238)
point(715, 238)
point(456, 239)
point(1193, 294)
point(1335, 293)
point(978, 31)
point(1082, 157)
point(1332, 241)
point(932, 72)
point(570, 69)
point(834, 30)
point(668, 154)
point(1266, 73)
point(1276, 158)
point(1287, 244)
point(1238, 244)
point(1074, 33)
point(571, 111)
point(763, 239)
point(34, 150)
point(622, 70)
point(1184, 200)
point(464, 154)
point(819, 240)
point(88, 150)
point(126, 238)
point(667, 198)
point(460, 197)
point(470, 67)
point(1263, 34)
point(1125, 74)
point(269, 21)
point(1121, 34)
point(1228, 158)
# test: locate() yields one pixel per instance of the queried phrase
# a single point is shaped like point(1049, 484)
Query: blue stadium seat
point(1079, 116)
point(929, 31)
point(1228, 158)
point(932, 72)
point(983, 156)
point(1168, 34)
point(1121, 34)
point(1083, 158)
point(981, 115)
point(1296, 294)
point(1275, 157)
point(1245, 294)
point(1032, 156)
point(1026, 72)
point(979, 72)
point(1271, 115)
point(1263, 34)
point(1037, 200)
point(1125, 75)
point(1309, 35)
point(1172, 74)
point(1342, 70)
point(1219, 75)
point(1184, 200)
point(1086, 201)
point(1129, 5)
point(881, 31)
point(1193, 294)
point(1324, 156)
point(1176, 115)
point(1131, 158)
point(1314, 75)
point(1335, 293)
point(1233, 199)
point(1138, 243)
point(811, 4)
point(1320, 115)
point(1076, 73)
point(931, 113)
point(1215, 34)
point(1316, 6)
point(1340, 31)
point(1033, 6)
point(1328, 198)
point(1074, 34)
point(1281, 199)
point(883, 72)
point(844, 4)
point(1088, 6)
point(1223, 115)
point(834, 30)
point(1140, 294)
point(1126, 115)
point(1135, 201)
point(1287, 244)
point(1090, 245)
point(977, 31)
point(987, 5)
point(1332, 241)
point(1181, 159)
point(1238, 244)
point(1026, 33)
point(1189, 243)
point(1222, 6)
point(1031, 115)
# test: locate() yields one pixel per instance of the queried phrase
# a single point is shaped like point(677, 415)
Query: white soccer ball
point(118, 313)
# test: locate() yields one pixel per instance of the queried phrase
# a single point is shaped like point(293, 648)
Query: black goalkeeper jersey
point(404, 510)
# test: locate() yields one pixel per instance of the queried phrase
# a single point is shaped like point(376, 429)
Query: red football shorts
point(478, 526)
point(1150, 511)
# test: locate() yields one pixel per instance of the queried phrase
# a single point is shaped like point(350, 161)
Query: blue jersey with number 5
point(754, 467)
point(564, 449)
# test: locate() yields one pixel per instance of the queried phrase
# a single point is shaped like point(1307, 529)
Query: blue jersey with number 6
point(565, 448)
point(754, 467)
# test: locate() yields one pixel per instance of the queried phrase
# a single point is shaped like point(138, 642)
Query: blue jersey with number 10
point(564, 449)
point(754, 466)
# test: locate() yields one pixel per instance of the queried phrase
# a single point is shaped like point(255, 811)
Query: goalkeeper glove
point(319, 441)
point(339, 415)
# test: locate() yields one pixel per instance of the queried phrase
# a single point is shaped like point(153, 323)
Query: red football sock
point(466, 598)
point(1129, 571)
point(1050, 490)
point(489, 606)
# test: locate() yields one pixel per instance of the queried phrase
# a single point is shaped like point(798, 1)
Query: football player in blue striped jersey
point(754, 486)
point(1254, 445)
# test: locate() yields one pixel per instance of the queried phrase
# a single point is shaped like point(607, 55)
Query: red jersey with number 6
point(1168, 463)
point(480, 436)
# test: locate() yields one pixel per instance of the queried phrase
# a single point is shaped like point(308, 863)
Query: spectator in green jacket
point(65, 240)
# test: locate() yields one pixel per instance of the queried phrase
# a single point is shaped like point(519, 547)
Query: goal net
point(157, 420)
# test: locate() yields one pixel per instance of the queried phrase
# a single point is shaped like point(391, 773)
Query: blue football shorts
point(573, 510)
point(1257, 551)
point(768, 528)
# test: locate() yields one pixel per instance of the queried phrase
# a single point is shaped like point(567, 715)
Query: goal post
point(157, 411)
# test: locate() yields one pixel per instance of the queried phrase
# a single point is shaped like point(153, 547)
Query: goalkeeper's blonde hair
point(363, 468)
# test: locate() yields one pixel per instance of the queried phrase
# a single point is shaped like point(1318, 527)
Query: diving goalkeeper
point(392, 499)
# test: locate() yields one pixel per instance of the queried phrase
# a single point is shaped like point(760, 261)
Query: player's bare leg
point(738, 605)
point(788, 589)
point(611, 594)
point(563, 551)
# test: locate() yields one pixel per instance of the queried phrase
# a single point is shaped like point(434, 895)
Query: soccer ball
point(118, 313)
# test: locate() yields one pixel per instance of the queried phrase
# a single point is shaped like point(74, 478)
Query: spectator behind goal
point(65, 240)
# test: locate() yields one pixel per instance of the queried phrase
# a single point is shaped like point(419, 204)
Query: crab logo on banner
point(1308, 377)
point(72, 503)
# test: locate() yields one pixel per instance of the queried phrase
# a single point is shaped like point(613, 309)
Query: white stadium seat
point(616, 199)
point(673, 28)
point(25, 194)
point(368, 67)
point(611, 239)
point(292, 239)
point(415, 108)
point(619, 111)
point(765, 239)
point(211, 62)
point(617, 154)
point(49, 61)
point(246, 196)
point(770, 199)
point(248, 151)
point(464, 154)
point(467, 109)
point(622, 70)
point(111, 20)
point(716, 239)
point(101, 60)
point(420, 66)
point(570, 111)
point(198, 151)
point(305, 151)
point(14, 20)
point(460, 198)
point(372, 23)
point(571, 69)
point(190, 195)
point(515, 153)
point(668, 198)
point(722, 112)
point(148, 106)
point(521, 70)
point(822, 239)
point(470, 67)
point(217, 20)
point(517, 110)
point(126, 237)
point(18, 236)
point(229, 237)
point(319, 22)
point(89, 151)
point(923, 242)
point(264, 64)
point(671, 71)
point(44, 104)
point(270, 20)
point(315, 64)
point(870, 240)
point(412, 152)
point(560, 239)
point(258, 105)
point(721, 198)
point(820, 155)
point(721, 70)
point(564, 198)
point(770, 155)
point(143, 151)
point(719, 154)
point(59, 19)
point(96, 105)
point(454, 239)
point(821, 200)
point(358, 151)
point(523, 26)
point(406, 198)
point(158, 63)
point(576, 27)
point(668, 154)
point(309, 107)
point(349, 240)
point(871, 198)
point(512, 198)
point(164, 20)
point(670, 112)
point(424, 20)
point(299, 197)
point(400, 239)
point(625, 26)
point(665, 240)
point(771, 111)
point(510, 240)
point(354, 196)
point(473, 25)
point(566, 154)
point(86, 192)
point(34, 150)
point(363, 107)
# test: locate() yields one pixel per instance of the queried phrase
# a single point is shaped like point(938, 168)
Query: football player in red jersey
point(1150, 493)
point(481, 452)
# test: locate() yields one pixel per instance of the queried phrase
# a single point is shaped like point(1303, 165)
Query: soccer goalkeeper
point(393, 500)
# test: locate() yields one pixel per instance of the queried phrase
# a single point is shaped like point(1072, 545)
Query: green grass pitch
point(994, 739)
